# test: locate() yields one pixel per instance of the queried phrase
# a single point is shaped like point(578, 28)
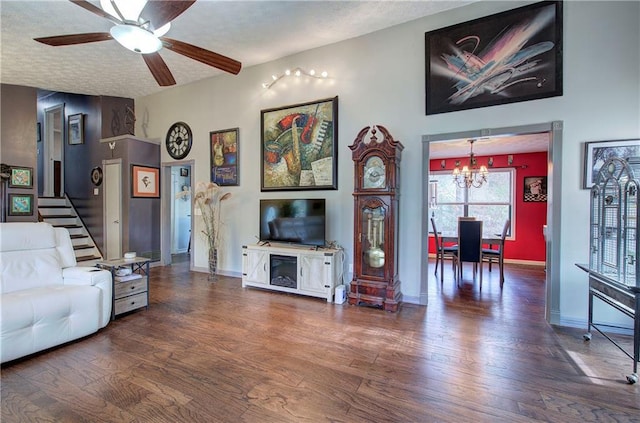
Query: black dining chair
point(442, 251)
point(469, 247)
point(492, 255)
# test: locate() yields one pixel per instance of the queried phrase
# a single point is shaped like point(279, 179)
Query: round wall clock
point(96, 175)
point(179, 140)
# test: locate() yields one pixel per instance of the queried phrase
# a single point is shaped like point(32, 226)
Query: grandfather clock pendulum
point(376, 194)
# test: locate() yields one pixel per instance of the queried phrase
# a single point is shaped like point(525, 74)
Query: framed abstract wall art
point(503, 58)
point(300, 146)
point(224, 156)
point(21, 177)
point(20, 204)
point(145, 182)
point(598, 152)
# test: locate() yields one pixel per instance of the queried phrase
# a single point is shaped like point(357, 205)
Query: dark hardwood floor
point(215, 352)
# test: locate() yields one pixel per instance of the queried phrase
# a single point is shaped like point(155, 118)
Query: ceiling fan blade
point(159, 69)
point(67, 40)
point(201, 55)
point(95, 9)
point(160, 12)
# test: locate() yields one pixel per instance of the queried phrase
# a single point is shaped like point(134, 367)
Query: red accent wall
point(530, 216)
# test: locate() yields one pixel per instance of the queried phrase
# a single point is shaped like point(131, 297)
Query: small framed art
point(535, 189)
point(145, 182)
point(75, 129)
point(224, 156)
point(20, 204)
point(21, 177)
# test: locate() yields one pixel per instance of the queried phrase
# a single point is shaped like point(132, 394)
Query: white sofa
point(45, 299)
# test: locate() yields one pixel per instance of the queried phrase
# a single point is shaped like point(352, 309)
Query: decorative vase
point(213, 263)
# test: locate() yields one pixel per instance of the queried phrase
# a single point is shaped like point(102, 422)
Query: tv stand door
point(255, 266)
point(313, 274)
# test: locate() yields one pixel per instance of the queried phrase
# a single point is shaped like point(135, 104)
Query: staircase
point(60, 213)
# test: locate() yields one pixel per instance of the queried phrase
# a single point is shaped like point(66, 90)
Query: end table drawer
point(137, 286)
point(131, 303)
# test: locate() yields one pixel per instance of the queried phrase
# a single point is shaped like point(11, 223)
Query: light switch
point(96, 191)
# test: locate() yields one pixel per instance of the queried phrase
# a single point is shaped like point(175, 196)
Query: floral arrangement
point(208, 198)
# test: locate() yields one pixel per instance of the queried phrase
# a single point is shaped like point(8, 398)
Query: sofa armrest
point(92, 276)
point(85, 276)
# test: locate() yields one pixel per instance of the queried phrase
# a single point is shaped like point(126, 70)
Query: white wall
point(379, 79)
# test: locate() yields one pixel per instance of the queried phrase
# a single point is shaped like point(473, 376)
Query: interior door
point(113, 209)
point(53, 163)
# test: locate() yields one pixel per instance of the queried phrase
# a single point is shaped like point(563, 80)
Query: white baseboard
point(219, 272)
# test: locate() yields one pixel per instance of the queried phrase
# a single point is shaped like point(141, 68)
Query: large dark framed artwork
point(596, 153)
point(224, 156)
point(300, 146)
point(503, 58)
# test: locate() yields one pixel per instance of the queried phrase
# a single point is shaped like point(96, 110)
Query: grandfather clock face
point(374, 175)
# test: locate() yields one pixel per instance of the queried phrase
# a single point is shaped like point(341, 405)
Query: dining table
point(453, 237)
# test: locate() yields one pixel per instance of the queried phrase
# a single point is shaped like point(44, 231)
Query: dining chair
point(466, 218)
point(491, 254)
point(469, 247)
point(442, 251)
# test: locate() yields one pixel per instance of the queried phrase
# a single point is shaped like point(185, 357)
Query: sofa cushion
point(21, 270)
point(64, 246)
point(40, 318)
point(19, 236)
point(31, 255)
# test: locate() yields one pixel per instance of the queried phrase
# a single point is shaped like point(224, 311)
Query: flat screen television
point(296, 221)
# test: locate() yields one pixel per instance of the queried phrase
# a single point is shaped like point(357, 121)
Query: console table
point(295, 269)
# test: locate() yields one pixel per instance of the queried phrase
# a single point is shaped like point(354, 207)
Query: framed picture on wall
point(224, 156)
point(75, 129)
point(21, 177)
point(503, 58)
point(300, 146)
point(598, 152)
point(535, 189)
point(20, 204)
point(145, 182)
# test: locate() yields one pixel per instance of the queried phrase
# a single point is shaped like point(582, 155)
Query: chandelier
point(470, 176)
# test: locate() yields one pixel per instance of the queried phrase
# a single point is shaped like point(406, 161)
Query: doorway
point(53, 163)
point(552, 239)
point(177, 212)
point(112, 208)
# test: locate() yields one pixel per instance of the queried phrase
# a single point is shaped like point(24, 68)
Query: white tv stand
point(291, 268)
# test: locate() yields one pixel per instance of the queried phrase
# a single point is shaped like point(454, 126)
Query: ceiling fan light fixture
point(136, 39)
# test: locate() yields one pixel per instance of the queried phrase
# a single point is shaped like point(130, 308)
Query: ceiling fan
point(140, 26)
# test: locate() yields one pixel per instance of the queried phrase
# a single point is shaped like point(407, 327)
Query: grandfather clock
point(375, 239)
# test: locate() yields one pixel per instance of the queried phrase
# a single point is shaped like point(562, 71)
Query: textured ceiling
point(252, 32)
point(529, 143)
